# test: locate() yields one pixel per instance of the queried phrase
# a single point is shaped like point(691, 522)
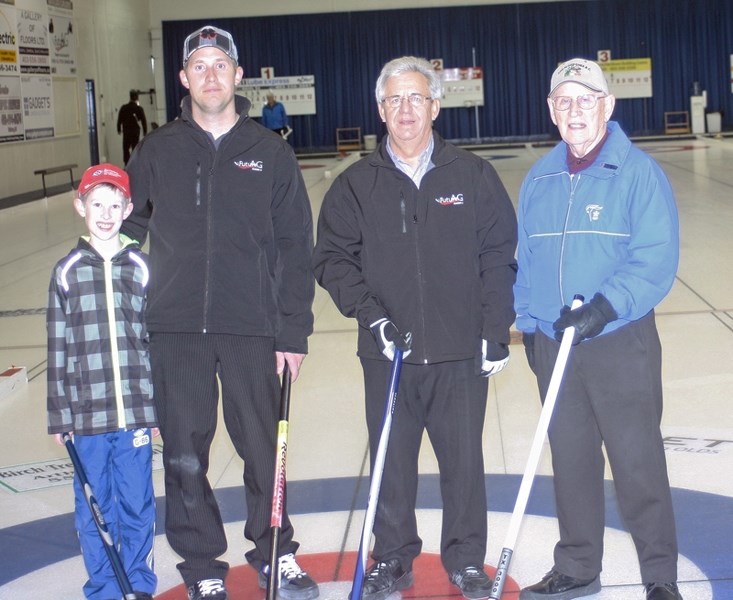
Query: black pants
point(130, 139)
point(185, 367)
point(611, 395)
point(448, 400)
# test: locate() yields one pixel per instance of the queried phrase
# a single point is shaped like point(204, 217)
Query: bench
point(52, 170)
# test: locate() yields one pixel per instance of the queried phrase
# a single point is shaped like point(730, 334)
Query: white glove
point(494, 357)
point(388, 338)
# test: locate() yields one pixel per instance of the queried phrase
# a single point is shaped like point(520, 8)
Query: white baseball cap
point(582, 71)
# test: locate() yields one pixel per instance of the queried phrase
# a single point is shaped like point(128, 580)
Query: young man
point(597, 217)
point(230, 300)
point(416, 242)
point(99, 382)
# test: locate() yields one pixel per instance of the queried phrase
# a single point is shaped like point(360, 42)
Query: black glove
point(528, 341)
point(588, 319)
point(389, 337)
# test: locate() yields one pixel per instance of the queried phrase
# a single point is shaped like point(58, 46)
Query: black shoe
point(142, 596)
point(384, 578)
point(662, 591)
point(207, 589)
point(295, 583)
point(556, 586)
point(473, 582)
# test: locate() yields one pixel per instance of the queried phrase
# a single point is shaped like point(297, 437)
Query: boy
point(99, 383)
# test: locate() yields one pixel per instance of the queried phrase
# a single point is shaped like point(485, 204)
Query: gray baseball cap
point(210, 36)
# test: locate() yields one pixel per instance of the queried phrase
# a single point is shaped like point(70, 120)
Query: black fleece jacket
point(438, 260)
point(231, 231)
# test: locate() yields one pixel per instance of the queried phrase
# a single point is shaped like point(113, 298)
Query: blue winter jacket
point(274, 117)
point(612, 228)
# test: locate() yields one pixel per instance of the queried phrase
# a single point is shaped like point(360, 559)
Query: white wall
point(113, 49)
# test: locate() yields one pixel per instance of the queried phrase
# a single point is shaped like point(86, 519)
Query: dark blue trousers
point(119, 468)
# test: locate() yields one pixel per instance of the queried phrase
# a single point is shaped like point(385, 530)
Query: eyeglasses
point(584, 102)
point(413, 99)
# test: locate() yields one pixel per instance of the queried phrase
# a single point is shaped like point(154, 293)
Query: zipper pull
point(402, 211)
point(198, 184)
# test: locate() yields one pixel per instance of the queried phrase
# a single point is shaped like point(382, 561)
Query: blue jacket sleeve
point(647, 275)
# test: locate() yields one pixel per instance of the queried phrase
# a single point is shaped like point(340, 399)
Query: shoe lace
point(289, 568)
point(471, 572)
point(379, 573)
point(208, 587)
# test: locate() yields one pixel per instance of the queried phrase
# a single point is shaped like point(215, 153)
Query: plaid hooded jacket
point(98, 366)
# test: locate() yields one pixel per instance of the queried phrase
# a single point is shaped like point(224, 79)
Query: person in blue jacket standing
point(274, 116)
point(597, 217)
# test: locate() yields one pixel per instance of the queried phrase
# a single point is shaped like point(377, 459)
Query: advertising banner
point(462, 87)
point(629, 78)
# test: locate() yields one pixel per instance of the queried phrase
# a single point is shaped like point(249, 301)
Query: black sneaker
point(472, 581)
point(142, 596)
point(295, 583)
point(207, 589)
point(662, 591)
point(556, 586)
point(383, 578)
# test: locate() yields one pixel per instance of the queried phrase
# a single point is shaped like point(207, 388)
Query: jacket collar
point(241, 105)
point(609, 162)
point(443, 152)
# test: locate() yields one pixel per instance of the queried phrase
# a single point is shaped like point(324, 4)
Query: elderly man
point(597, 217)
point(416, 242)
point(274, 116)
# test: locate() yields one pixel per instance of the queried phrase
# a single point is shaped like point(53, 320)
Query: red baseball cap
point(105, 173)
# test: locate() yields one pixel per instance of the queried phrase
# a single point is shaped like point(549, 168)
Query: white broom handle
point(542, 427)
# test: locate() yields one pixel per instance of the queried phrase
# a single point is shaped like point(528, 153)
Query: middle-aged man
point(230, 298)
point(416, 242)
point(597, 217)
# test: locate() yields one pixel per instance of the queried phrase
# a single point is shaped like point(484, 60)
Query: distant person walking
point(129, 120)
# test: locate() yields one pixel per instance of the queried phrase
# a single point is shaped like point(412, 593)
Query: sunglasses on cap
point(210, 36)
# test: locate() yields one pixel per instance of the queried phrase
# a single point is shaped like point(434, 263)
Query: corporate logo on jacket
point(452, 200)
point(252, 165)
point(594, 212)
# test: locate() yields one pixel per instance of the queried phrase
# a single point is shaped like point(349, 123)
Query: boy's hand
point(60, 439)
